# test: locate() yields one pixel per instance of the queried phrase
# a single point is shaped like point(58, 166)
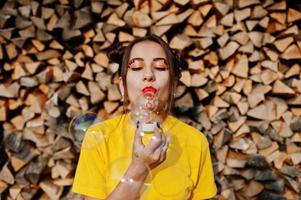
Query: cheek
point(132, 83)
point(164, 83)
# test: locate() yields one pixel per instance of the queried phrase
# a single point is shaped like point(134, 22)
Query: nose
point(149, 74)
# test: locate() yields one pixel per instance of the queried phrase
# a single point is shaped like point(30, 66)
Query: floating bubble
point(115, 173)
point(145, 111)
point(79, 126)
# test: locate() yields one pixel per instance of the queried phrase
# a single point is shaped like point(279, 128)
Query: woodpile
point(242, 86)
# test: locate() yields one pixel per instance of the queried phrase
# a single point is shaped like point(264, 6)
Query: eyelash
point(139, 68)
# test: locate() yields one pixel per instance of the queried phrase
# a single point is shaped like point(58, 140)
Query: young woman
point(176, 164)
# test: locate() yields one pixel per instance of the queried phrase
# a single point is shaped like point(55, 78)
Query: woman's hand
point(154, 153)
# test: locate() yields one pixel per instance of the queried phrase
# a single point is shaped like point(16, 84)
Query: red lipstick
point(149, 89)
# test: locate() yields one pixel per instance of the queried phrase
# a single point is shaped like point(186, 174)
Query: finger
point(165, 146)
point(156, 140)
point(164, 149)
point(157, 154)
point(154, 144)
point(138, 136)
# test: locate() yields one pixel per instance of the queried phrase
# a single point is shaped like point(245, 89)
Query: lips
point(149, 89)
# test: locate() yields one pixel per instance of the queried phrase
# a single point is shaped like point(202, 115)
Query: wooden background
point(241, 88)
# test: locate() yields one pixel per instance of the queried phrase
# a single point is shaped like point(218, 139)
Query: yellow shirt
point(106, 154)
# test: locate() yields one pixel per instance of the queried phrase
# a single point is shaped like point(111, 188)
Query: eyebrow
point(141, 59)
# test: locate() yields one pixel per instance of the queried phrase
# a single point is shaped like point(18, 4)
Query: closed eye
point(161, 68)
point(136, 68)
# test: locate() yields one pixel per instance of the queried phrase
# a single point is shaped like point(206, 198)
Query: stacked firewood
point(241, 87)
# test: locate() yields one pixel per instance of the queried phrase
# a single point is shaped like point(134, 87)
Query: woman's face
point(148, 67)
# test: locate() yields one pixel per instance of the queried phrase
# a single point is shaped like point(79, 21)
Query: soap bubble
point(78, 128)
point(145, 112)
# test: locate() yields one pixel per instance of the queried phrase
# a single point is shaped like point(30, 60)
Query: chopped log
point(88, 51)
point(195, 19)
point(219, 102)
point(9, 91)
point(251, 24)
point(160, 30)
point(205, 9)
point(267, 108)
point(280, 160)
point(292, 52)
point(221, 7)
point(11, 51)
point(196, 66)
point(101, 59)
point(241, 15)
point(236, 160)
point(110, 106)
point(256, 38)
point(282, 89)
point(278, 6)
point(241, 67)
point(227, 20)
point(241, 37)
point(6, 175)
point(113, 93)
point(223, 40)
point(180, 42)
point(228, 50)
point(293, 15)
point(245, 3)
point(140, 19)
point(185, 78)
point(32, 67)
point(264, 22)
point(53, 191)
point(240, 144)
point(201, 93)
point(18, 122)
point(124, 37)
point(253, 188)
point(267, 151)
point(183, 15)
point(48, 54)
point(279, 16)
point(268, 77)
point(198, 80)
point(115, 20)
point(294, 70)
point(270, 65)
point(98, 95)
point(282, 44)
point(272, 54)
point(296, 111)
point(185, 102)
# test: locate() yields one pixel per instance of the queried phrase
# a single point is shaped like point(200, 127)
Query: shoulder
point(108, 124)
point(193, 136)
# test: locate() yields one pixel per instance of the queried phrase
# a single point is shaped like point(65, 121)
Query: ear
point(120, 84)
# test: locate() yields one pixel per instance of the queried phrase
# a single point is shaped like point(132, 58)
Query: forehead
point(147, 49)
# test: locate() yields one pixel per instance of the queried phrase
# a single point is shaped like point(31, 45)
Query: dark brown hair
point(173, 60)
